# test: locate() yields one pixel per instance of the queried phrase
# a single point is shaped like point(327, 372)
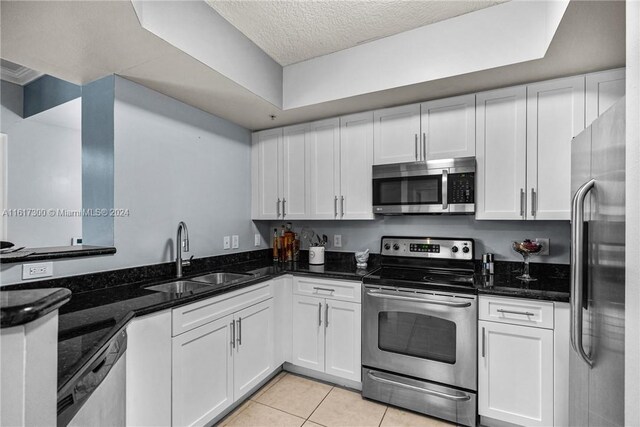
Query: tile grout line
point(316, 408)
point(279, 410)
point(386, 408)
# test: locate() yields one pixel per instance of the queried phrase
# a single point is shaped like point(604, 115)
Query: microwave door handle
point(445, 181)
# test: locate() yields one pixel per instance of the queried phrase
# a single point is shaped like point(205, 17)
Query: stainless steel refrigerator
point(596, 365)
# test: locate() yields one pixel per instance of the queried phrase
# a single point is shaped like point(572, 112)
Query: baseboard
point(321, 376)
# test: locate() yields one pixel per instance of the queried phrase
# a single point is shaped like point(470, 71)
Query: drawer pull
point(323, 289)
point(523, 313)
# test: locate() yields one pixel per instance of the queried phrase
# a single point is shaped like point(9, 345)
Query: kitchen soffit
point(83, 41)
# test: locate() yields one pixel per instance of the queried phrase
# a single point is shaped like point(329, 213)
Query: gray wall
point(490, 236)
point(172, 162)
point(46, 92)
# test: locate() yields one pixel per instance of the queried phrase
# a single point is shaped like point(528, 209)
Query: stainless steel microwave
point(434, 187)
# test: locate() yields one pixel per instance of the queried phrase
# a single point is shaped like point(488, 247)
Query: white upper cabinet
point(323, 143)
point(266, 166)
point(501, 155)
point(356, 160)
point(295, 176)
point(396, 134)
point(449, 128)
point(555, 114)
point(603, 90)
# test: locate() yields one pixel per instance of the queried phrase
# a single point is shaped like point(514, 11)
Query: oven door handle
point(455, 398)
point(386, 295)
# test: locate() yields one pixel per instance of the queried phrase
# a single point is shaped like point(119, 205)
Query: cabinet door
point(356, 159)
point(501, 155)
point(555, 114)
point(323, 143)
point(342, 341)
point(603, 90)
point(515, 373)
point(308, 332)
point(266, 159)
point(396, 134)
point(449, 127)
point(254, 349)
point(295, 203)
point(202, 369)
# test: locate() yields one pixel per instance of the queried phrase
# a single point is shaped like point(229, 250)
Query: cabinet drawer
point(199, 313)
point(516, 311)
point(331, 289)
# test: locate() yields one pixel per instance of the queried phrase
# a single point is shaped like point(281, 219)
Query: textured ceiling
point(291, 31)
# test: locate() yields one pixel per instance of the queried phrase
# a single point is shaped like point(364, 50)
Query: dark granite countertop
point(18, 307)
point(55, 252)
point(547, 288)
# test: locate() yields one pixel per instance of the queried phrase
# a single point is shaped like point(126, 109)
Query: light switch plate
point(337, 240)
point(35, 271)
point(545, 245)
point(235, 241)
point(226, 243)
point(256, 240)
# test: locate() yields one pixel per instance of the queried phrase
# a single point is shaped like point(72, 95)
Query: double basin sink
point(201, 282)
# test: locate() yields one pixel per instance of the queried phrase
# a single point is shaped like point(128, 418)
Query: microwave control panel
point(460, 188)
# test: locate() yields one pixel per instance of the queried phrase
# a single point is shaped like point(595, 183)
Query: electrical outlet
point(235, 241)
point(226, 244)
point(35, 271)
point(545, 245)
point(337, 240)
point(256, 240)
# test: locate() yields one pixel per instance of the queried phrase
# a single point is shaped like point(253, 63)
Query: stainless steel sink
point(221, 278)
point(178, 287)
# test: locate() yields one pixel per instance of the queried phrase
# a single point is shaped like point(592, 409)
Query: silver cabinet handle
point(523, 313)
point(284, 207)
point(317, 288)
point(522, 202)
point(577, 259)
point(239, 331)
point(533, 203)
point(319, 314)
point(483, 343)
point(278, 207)
point(387, 295)
point(233, 334)
point(445, 183)
point(458, 398)
point(424, 146)
point(326, 315)
point(335, 207)
point(341, 206)
point(416, 144)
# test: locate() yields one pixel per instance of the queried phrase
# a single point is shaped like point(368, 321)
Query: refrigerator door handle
point(577, 260)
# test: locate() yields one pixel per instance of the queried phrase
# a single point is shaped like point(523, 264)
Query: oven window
point(415, 190)
point(417, 335)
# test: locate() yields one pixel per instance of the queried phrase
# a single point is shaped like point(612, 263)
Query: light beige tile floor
point(292, 400)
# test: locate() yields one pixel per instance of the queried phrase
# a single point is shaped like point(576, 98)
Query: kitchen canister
point(316, 255)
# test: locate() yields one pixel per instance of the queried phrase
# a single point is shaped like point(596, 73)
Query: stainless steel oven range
point(419, 328)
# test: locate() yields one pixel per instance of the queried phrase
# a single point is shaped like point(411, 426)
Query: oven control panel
point(428, 247)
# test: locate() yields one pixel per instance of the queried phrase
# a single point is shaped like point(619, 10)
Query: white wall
point(43, 172)
point(172, 163)
point(632, 262)
point(491, 236)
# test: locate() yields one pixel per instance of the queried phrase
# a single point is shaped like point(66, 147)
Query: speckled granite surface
point(18, 307)
point(103, 303)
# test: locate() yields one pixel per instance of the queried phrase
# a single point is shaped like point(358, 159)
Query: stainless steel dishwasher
point(96, 395)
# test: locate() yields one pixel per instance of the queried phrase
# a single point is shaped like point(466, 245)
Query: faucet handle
point(187, 262)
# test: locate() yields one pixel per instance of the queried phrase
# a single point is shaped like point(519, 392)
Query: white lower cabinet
point(515, 374)
point(215, 364)
point(326, 335)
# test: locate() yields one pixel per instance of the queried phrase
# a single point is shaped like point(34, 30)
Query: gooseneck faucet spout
point(182, 244)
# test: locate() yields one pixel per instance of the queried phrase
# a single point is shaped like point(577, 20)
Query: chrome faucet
point(180, 243)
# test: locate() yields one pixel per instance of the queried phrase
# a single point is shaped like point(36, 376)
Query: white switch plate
point(235, 241)
point(226, 243)
point(256, 240)
point(35, 271)
point(337, 240)
point(545, 245)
